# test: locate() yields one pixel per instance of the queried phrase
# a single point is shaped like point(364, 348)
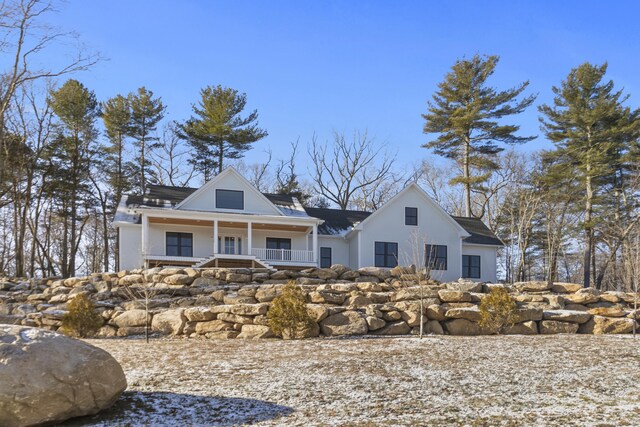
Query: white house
point(229, 223)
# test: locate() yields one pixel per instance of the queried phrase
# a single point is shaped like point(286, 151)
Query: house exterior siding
point(144, 222)
point(488, 260)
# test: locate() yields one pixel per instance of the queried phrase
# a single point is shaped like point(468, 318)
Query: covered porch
point(229, 240)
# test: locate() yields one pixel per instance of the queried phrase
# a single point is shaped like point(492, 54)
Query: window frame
point(438, 261)
point(221, 191)
point(409, 219)
point(179, 246)
point(467, 269)
point(323, 257)
point(387, 253)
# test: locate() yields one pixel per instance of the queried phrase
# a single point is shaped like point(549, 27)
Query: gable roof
point(337, 221)
point(480, 233)
point(462, 232)
point(227, 171)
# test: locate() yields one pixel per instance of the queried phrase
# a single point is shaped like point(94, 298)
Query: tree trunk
point(467, 184)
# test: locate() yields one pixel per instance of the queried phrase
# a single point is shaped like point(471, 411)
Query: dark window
point(180, 244)
point(471, 266)
point(278, 249)
point(229, 199)
point(325, 257)
point(410, 216)
point(436, 257)
point(386, 254)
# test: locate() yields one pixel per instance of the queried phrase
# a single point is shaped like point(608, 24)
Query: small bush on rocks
point(82, 320)
point(498, 310)
point(288, 316)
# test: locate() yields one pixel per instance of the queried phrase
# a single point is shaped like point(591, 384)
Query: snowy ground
point(477, 381)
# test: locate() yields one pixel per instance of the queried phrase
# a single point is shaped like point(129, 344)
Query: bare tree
point(143, 294)
point(348, 167)
point(23, 38)
point(170, 160)
point(258, 174)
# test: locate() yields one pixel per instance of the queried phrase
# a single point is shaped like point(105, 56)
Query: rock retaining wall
point(233, 303)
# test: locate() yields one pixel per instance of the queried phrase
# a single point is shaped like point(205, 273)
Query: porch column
point(315, 243)
point(215, 236)
point(145, 239)
point(249, 238)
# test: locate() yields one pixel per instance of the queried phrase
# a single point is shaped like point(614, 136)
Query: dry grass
point(476, 381)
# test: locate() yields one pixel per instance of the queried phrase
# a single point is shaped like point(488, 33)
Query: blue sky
point(318, 66)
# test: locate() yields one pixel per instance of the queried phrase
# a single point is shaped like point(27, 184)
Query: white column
point(145, 239)
point(215, 236)
point(315, 243)
point(249, 237)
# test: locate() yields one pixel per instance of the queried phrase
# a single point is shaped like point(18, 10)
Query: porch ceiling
point(228, 224)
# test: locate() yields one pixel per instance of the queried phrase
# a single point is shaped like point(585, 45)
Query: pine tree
point(593, 132)
point(217, 131)
point(116, 115)
point(465, 112)
point(146, 113)
point(70, 157)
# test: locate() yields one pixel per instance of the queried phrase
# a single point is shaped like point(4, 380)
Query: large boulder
point(449, 295)
point(169, 322)
point(532, 286)
point(471, 313)
point(600, 325)
point(46, 377)
point(465, 286)
point(565, 288)
point(346, 323)
point(525, 328)
point(571, 316)
point(464, 327)
point(550, 327)
point(131, 318)
point(255, 332)
point(396, 328)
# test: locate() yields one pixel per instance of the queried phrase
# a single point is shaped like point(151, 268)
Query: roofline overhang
point(230, 216)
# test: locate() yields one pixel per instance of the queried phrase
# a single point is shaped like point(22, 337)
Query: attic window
point(229, 199)
point(410, 216)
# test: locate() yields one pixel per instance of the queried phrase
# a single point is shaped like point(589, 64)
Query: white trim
point(482, 245)
point(228, 170)
point(237, 217)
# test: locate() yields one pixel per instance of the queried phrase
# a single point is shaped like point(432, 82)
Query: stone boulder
point(533, 286)
point(525, 328)
point(395, 328)
point(464, 327)
point(255, 332)
point(379, 272)
point(169, 322)
point(131, 318)
point(608, 311)
point(48, 378)
point(346, 323)
point(583, 296)
point(326, 274)
point(550, 327)
point(571, 316)
point(465, 286)
point(472, 314)
point(448, 295)
point(565, 288)
point(601, 325)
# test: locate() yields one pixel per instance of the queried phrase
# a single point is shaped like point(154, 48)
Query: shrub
point(288, 316)
point(82, 320)
point(498, 310)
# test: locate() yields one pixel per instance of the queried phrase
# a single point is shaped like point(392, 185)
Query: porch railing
point(293, 255)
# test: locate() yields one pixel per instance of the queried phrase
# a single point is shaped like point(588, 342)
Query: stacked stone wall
point(233, 303)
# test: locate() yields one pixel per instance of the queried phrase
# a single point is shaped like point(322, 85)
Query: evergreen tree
point(594, 134)
point(116, 115)
point(217, 131)
point(70, 160)
point(146, 113)
point(465, 112)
